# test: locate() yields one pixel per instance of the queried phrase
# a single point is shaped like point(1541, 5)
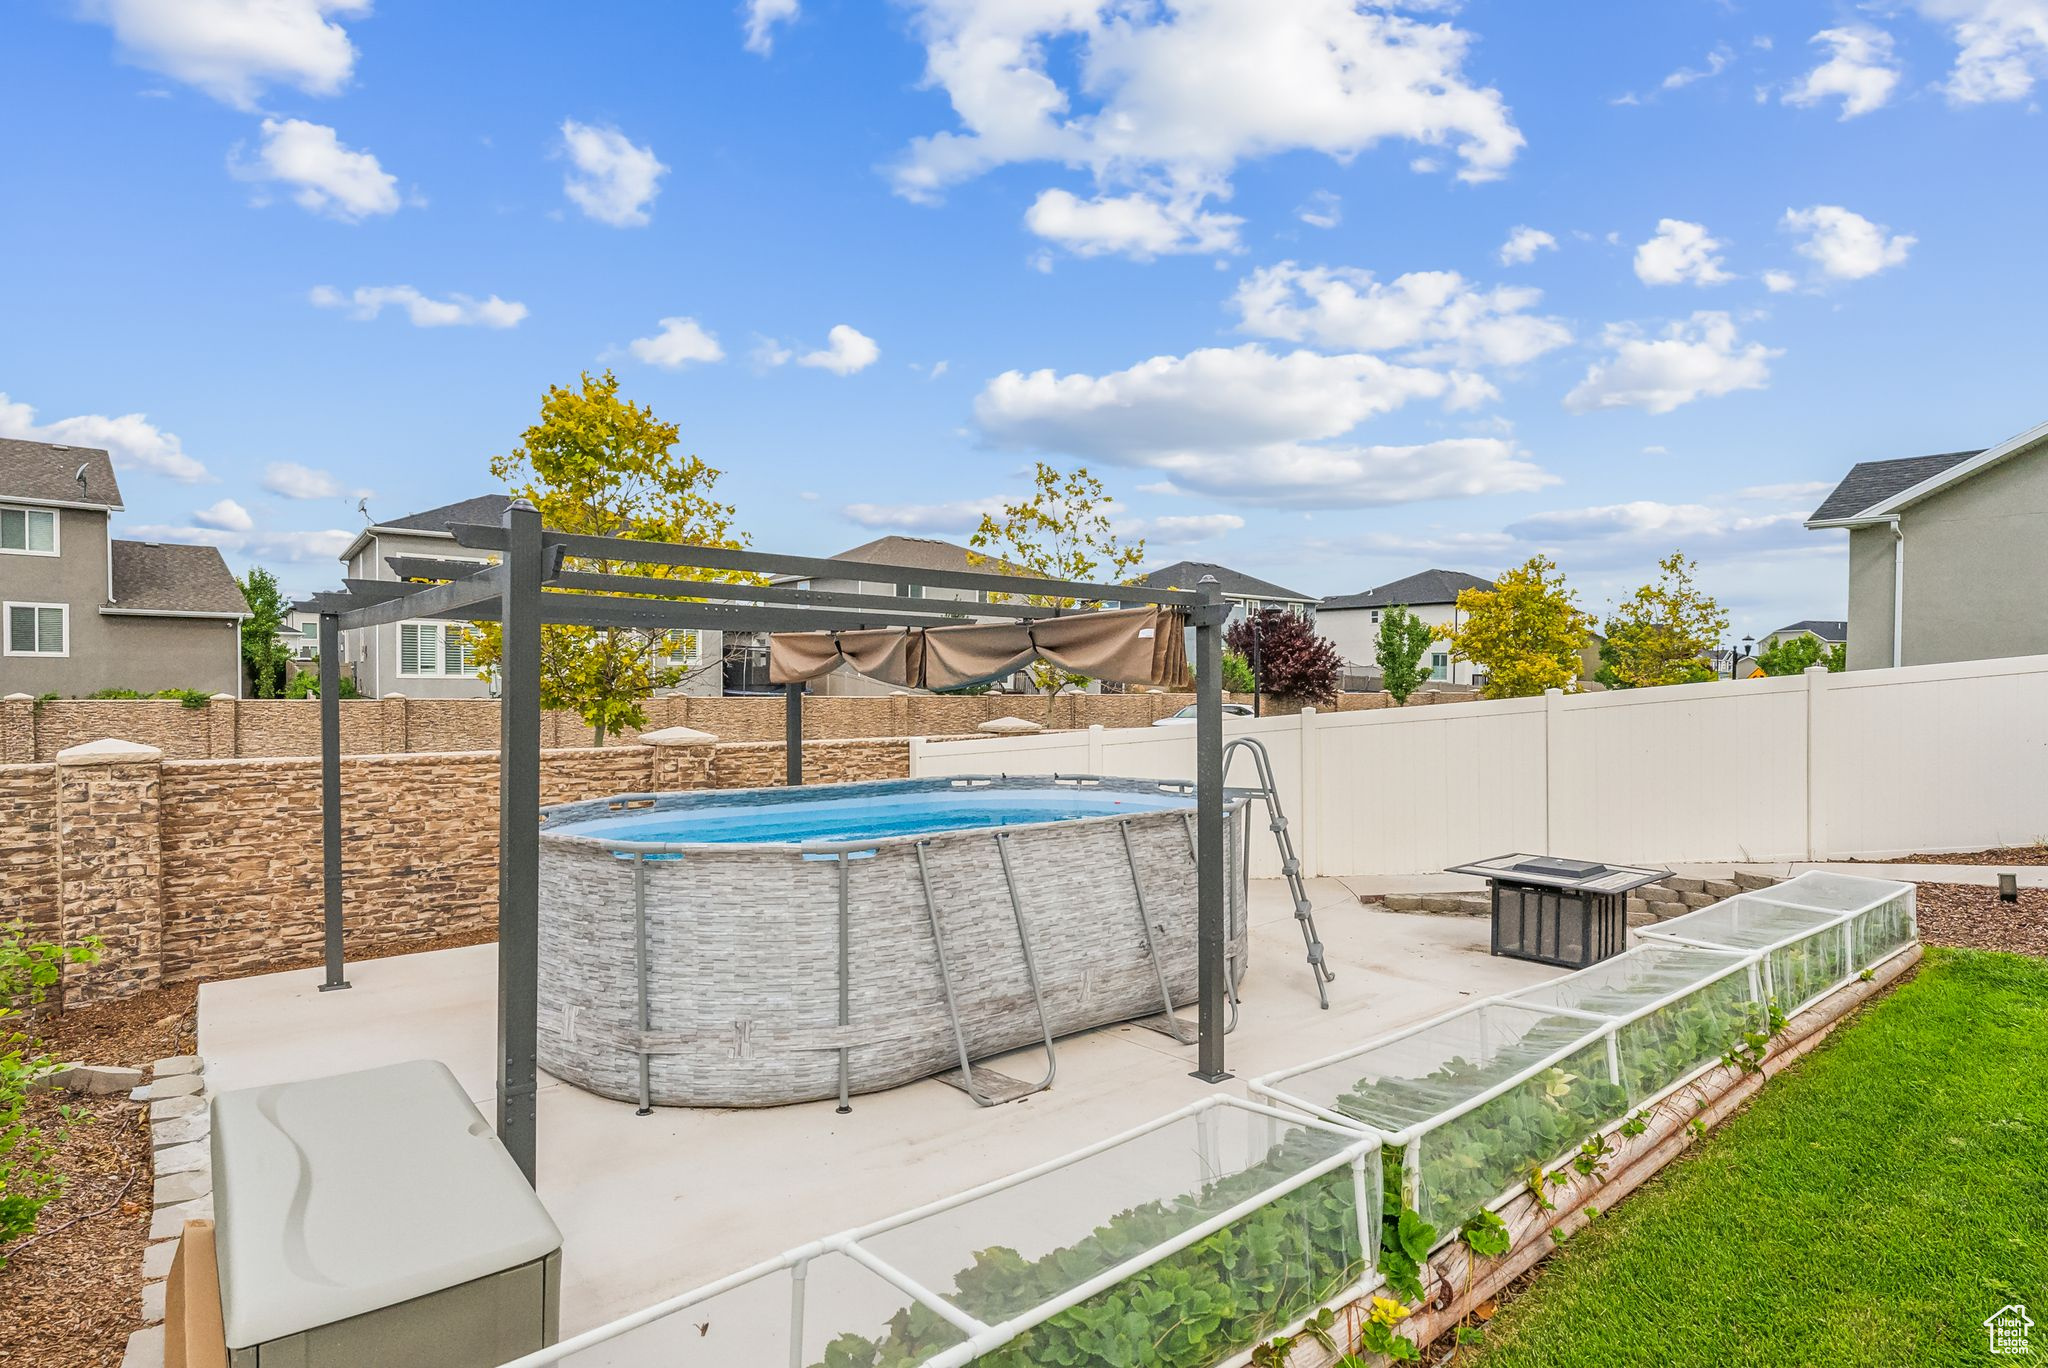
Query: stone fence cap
point(108, 751)
point(18, 698)
point(677, 736)
point(1010, 725)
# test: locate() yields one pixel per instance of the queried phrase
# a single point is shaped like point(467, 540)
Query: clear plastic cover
point(1890, 926)
point(1883, 919)
point(1750, 921)
point(1798, 973)
point(756, 1322)
point(1004, 1253)
point(1674, 1018)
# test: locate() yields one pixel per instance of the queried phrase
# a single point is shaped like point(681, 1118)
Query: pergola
point(529, 586)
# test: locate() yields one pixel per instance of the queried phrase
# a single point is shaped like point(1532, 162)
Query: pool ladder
point(1268, 793)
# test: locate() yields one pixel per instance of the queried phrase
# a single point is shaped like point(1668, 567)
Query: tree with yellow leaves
point(1663, 633)
point(1525, 633)
point(601, 466)
point(1062, 531)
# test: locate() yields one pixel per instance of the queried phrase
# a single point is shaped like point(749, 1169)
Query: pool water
point(870, 816)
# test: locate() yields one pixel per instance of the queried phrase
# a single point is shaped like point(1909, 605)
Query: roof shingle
point(1872, 482)
point(488, 509)
point(47, 471)
point(1427, 586)
point(1234, 583)
point(163, 577)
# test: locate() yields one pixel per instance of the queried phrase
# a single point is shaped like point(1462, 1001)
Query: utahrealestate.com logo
point(2008, 1327)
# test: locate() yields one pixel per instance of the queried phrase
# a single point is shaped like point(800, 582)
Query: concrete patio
point(651, 1206)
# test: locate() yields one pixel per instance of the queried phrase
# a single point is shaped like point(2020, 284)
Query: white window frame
point(1440, 666)
point(440, 670)
point(56, 531)
point(63, 611)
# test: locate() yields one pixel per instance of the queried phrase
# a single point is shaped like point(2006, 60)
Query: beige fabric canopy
point(1146, 646)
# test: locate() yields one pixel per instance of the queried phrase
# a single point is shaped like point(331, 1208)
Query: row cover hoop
point(849, 1256)
point(969, 1337)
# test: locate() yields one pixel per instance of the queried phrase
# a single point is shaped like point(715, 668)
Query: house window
point(910, 591)
point(1439, 665)
point(1375, 617)
point(434, 648)
point(38, 629)
point(29, 531)
point(679, 647)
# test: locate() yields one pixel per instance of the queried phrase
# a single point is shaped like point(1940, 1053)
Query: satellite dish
point(363, 507)
point(79, 475)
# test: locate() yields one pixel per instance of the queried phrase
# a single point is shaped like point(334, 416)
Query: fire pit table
point(1556, 911)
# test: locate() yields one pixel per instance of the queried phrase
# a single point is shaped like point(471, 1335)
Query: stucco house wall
point(1355, 633)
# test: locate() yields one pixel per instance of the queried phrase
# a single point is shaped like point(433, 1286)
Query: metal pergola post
point(519, 838)
point(1212, 970)
point(330, 799)
point(793, 733)
point(515, 591)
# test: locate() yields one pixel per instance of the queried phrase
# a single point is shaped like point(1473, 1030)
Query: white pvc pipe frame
point(981, 1337)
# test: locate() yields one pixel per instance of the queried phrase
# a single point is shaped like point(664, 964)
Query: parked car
point(1186, 716)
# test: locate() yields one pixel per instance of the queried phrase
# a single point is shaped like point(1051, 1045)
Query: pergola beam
point(630, 552)
point(783, 594)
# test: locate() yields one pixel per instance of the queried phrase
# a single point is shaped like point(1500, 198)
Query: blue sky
point(1250, 260)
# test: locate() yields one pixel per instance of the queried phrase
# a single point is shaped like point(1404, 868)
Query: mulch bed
point(1971, 916)
point(72, 1292)
point(2008, 856)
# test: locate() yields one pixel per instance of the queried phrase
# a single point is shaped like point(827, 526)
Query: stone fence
point(225, 728)
point(198, 869)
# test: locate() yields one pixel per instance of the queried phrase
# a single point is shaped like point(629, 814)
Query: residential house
point(432, 659)
point(82, 610)
point(1351, 622)
point(1244, 593)
point(1947, 554)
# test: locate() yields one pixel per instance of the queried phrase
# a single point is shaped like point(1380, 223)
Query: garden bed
point(1874, 1206)
point(1971, 916)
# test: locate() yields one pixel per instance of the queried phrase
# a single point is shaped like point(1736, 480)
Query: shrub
point(1293, 662)
point(28, 970)
point(306, 684)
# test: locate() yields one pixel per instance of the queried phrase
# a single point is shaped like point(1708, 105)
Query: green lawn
point(1871, 1206)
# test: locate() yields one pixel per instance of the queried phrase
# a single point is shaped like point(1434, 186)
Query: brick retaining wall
point(197, 869)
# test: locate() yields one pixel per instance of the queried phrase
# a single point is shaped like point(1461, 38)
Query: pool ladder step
point(1290, 863)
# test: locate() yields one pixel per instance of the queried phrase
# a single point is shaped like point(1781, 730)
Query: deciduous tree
point(1526, 632)
point(1062, 531)
point(1403, 643)
point(1291, 661)
point(600, 465)
point(263, 655)
point(1663, 633)
point(1797, 654)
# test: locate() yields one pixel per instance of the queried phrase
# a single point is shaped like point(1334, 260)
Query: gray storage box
point(373, 1218)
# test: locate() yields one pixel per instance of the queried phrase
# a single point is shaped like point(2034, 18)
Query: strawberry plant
point(29, 969)
point(1486, 1235)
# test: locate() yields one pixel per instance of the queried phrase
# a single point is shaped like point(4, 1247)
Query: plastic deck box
point(373, 1218)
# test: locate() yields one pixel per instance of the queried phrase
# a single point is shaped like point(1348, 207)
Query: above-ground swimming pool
point(760, 946)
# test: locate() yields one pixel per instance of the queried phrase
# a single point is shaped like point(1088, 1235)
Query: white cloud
point(1323, 209)
point(956, 515)
point(224, 516)
point(365, 302)
point(1524, 243)
point(847, 349)
point(295, 481)
point(1433, 316)
point(1254, 425)
point(1135, 225)
point(233, 49)
point(330, 177)
point(302, 548)
point(1168, 99)
point(1698, 358)
point(1846, 245)
point(1716, 63)
point(1648, 522)
point(1797, 490)
point(1680, 253)
point(1179, 529)
point(2002, 47)
point(1780, 282)
point(614, 180)
point(762, 17)
point(131, 440)
point(1861, 70)
point(680, 342)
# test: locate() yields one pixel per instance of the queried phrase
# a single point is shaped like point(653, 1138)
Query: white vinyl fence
point(1872, 764)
